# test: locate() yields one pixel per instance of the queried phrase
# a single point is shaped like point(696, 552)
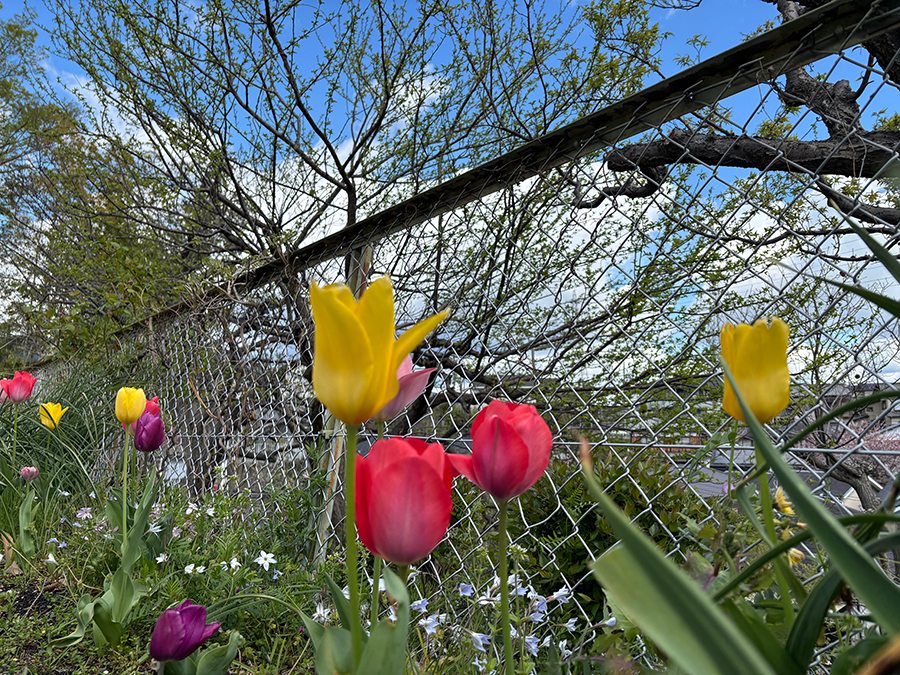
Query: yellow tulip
point(757, 357)
point(130, 404)
point(356, 356)
point(51, 413)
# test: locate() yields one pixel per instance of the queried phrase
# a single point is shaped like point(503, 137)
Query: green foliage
point(560, 513)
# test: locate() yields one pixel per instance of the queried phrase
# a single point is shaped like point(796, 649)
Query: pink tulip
point(29, 473)
point(411, 384)
point(19, 388)
point(510, 450)
point(403, 498)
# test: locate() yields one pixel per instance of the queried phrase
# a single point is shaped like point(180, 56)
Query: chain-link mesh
point(589, 274)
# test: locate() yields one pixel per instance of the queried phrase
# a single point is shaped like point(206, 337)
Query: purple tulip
point(180, 631)
point(411, 385)
point(29, 473)
point(149, 432)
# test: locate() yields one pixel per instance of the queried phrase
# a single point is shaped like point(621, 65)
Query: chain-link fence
point(589, 273)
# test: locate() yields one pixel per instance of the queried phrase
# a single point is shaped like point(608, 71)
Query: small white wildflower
point(189, 569)
point(481, 640)
point(532, 644)
point(62, 544)
point(201, 569)
point(478, 663)
point(563, 651)
point(161, 558)
point(562, 596)
point(53, 540)
point(322, 613)
point(610, 622)
point(572, 625)
point(92, 495)
point(223, 565)
point(234, 564)
point(265, 559)
point(466, 590)
point(210, 512)
point(154, 529)
point(420, 605)
point(83, 513)
point(275, 575)
point(63, 493)
point(392, 613)
point(431, 623)
point(191, 509)
point(50, 559)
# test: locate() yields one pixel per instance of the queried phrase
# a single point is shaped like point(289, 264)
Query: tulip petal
point(409, 388)
point(363, 490)
point(499, 458)
point(462, 466)
point(757, 356)
point(410, 512)
point(388, 450)
point(168, 636)
point(537, 436)
point(413, 337)
point(343, 359)
point(376, 314)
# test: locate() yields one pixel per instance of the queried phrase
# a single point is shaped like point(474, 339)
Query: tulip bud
point(757, 357)
point(29, 473)
point(510, 450)
point(149, 432)
point(179, 631)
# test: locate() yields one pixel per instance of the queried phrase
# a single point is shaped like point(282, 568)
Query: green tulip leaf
point(84, 613)
point(341, 603)
point(801, 643)
point(860, 572)
point(26, 520)
point(754, 627)
point(315, 630)
point(217, 660)
point(888, 259)
point(334, 653)
point(112, 630)
point(671, 610)
point(183, 667)
point(850, 661)
point(385, 652)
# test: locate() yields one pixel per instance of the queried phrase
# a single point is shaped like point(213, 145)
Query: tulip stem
point(15, 435)
point(350, 524)
point(504, 589)
point(376, 595)
point(125, 495)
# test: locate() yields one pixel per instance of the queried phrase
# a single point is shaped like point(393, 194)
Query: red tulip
point(411, 385)
point(403, 498)
point(178, 632)
point(19, 388)
point(510, 450)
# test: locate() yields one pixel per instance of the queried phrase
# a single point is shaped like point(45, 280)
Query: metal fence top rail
point(814, 35)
